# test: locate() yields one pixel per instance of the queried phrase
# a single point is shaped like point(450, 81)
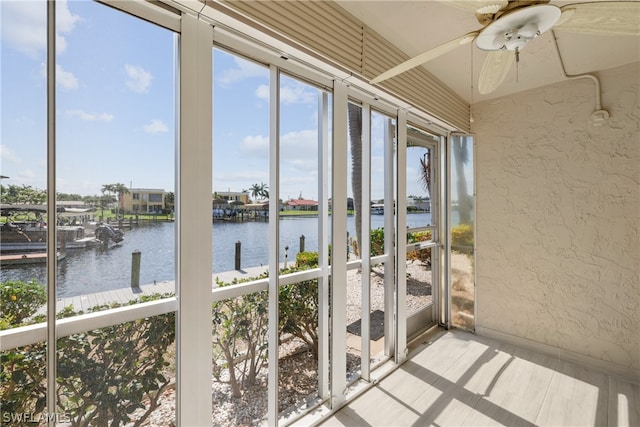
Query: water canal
point(93, 270)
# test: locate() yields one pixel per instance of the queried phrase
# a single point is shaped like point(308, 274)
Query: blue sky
point(115, 105)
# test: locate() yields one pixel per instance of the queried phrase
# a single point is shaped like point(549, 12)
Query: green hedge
point(103, 375)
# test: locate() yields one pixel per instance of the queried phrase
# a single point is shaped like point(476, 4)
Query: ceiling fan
point(508, 26)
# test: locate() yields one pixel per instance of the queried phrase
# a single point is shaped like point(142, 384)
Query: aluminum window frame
point(195, 27)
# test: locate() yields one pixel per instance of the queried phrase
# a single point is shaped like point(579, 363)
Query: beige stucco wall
point(558, 218)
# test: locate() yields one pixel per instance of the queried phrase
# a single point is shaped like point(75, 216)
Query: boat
point(24, 236)
point(377, 209)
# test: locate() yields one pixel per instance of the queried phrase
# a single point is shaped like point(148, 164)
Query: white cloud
point(65, 20)
point(155, 126)
point(296, 94)
point(299, 164)
point(294, 146)
point(7, 155)
point(64, 78)
point(262, 92)
point(244, 70)
point(89, 117)
point(24, 26)
point(255, 145)
point(300, 146)
point(290, 94)
point(138, 79)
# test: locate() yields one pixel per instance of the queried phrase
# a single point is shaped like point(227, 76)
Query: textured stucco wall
point(558, 217)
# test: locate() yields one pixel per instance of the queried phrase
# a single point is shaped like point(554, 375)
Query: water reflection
point(94, 269)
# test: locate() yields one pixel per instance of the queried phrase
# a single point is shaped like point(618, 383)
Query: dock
point(27, 258)
point(126, 294)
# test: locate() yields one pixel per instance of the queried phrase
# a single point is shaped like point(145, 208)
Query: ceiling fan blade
point(426, 57)
point(477, 6)
point(608, 18)
point(494, 70)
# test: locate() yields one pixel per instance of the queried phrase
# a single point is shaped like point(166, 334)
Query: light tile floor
point(460, 379)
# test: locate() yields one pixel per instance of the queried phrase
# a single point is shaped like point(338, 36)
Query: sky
point(115, 98)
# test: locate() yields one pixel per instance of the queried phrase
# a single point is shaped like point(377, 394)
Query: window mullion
point(339, 246)
point(193, 220)
point(274, 245)
point(52, 248)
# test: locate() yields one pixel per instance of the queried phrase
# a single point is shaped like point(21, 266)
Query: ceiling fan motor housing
point(516, 39)
point(514, 30)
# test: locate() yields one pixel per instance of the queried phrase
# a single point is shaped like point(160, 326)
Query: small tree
point(239, 335)
point(299, 304)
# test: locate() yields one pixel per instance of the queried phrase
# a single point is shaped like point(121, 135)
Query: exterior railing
point(32, 334)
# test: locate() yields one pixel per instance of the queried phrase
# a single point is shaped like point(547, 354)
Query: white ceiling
point(417, 26)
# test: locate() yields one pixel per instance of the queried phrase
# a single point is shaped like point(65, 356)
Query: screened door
point(421, 229)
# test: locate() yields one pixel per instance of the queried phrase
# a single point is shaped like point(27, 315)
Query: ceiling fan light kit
point(514, 30)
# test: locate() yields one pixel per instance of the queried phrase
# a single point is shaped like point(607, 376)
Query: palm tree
point(355, 137)
point(259, 190)
point(106, 190)
point(425, 169)
point(120, 190)
point(265, 191)
point(461, 157)
point(115, 189)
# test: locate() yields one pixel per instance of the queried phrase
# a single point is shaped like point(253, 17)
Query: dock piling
point(238, 248)
point(286, 254)
point(135, 268)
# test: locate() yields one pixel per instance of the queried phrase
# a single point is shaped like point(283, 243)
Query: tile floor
point(460, 379)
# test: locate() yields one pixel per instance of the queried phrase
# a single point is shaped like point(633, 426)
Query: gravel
point(298, 380)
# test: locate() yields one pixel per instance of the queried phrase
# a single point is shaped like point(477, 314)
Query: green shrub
point(23, 379)
point(240, 325)
point(103, 375)
point(20, 300)
point(239, 335)
point(106, 374)
point(422, 255)
point(307, 259)
point(377, 242)
point(462, 238)
point(298, 303)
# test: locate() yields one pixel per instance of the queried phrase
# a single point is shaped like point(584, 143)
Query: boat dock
point(27, 258)
point(126, 294)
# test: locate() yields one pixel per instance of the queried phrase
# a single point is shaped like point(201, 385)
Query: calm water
point(94, 270)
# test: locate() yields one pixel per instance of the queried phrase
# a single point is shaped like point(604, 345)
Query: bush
point(422, 255)
point(298, 304)
point(462, 238)
point(377, 241)
point(307, 259)
point(239, 333)
point(102, 375)
point(20, 300)
point(23, 379)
